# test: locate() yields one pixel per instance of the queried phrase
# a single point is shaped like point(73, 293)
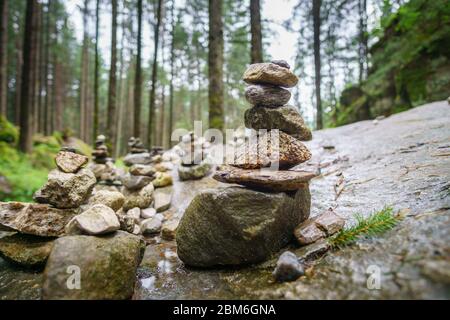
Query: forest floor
point(402, 161)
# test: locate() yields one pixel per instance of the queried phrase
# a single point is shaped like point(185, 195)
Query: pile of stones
point(243, 225)
point(193, 152)
point(70, 227)
point(103, 165)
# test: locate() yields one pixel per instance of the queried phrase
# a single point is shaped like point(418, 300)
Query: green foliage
point(375, 224)
point(19, 171)
point(8, 132)
point(410, 62)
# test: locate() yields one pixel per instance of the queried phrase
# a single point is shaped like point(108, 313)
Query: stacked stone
point(59, 200)
point(137, 154)
point(194, 153)
point(103, 165)
point(100, 154)
point(244, 225)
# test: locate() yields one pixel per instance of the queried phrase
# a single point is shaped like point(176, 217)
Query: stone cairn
point(70, 226)
point(244, 225)
point(103, 165)
point(194, 153)
point(146, 188)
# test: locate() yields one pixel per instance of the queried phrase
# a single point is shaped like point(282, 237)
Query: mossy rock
point(107, 267)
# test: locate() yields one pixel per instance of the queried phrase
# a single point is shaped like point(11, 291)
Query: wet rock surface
point(288, 268)
point(401, 161)
point(25, 250)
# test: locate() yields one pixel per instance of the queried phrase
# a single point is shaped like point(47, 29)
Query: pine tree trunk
point(172, 74)
point(26, 115)
point(215, 65)
point(120, 106)
point(138, 77)
point(363, 40)
point(96, 71)
point(317, 61)
point(151, 118)
point(111, 125)
point(255, 26)
point(47, 102)
point(84, 74)
point(4, 58)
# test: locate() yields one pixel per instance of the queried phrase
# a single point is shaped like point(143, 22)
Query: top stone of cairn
point(270, 73)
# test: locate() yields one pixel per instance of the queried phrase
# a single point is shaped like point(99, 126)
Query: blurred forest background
point(360, 58)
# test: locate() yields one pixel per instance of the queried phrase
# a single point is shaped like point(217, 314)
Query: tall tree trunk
point(19, 67)
point(84, 73)
point(96, 71)
point(25, 141)
point(172, 73)
point(55, 112)
point(363, 39)
point(111, 125)
point(255, 26)
point(47, 101)
point(42, 74)
point(120, 107)
point(138, 77)
point(35, 72)
point(151, 118)
point(4, 58)
point(317, 61)
point(215, 65)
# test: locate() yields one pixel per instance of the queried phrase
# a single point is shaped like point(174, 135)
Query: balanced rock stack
point(68, 187)
point(194, 158)
point(137, 154)
point(244, 225)
point(100, 154)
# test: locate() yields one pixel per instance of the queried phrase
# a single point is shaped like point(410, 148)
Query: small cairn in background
point(194, 153)
point(106, 173)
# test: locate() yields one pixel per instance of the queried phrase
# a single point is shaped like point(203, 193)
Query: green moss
point(24, 178)
point(8, 132)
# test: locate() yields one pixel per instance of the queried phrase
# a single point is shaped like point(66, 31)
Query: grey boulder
point(93, 268)
point(97, 220)
point(238, 226)
point(267, 96)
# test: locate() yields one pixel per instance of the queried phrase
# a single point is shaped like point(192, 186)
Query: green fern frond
point(375, 224)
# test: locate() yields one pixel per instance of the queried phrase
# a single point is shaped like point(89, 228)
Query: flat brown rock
point(35, 219)
point(265, 180)
point(270, 73)
point(269, 149)
point(70, 162)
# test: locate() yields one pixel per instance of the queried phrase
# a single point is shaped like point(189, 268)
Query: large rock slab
point(106, 265)
point(35, 219)
point(66, 190)
point(270, 180)
point(237, 226)
point(270, 73)
point(267, 96)
point(70, 162)
point(97, 220)
point(286, 119)
point(270, 148)
point(112, 199)
point(25, 250)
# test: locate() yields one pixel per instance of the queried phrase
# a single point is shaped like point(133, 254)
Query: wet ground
point(402, 161)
